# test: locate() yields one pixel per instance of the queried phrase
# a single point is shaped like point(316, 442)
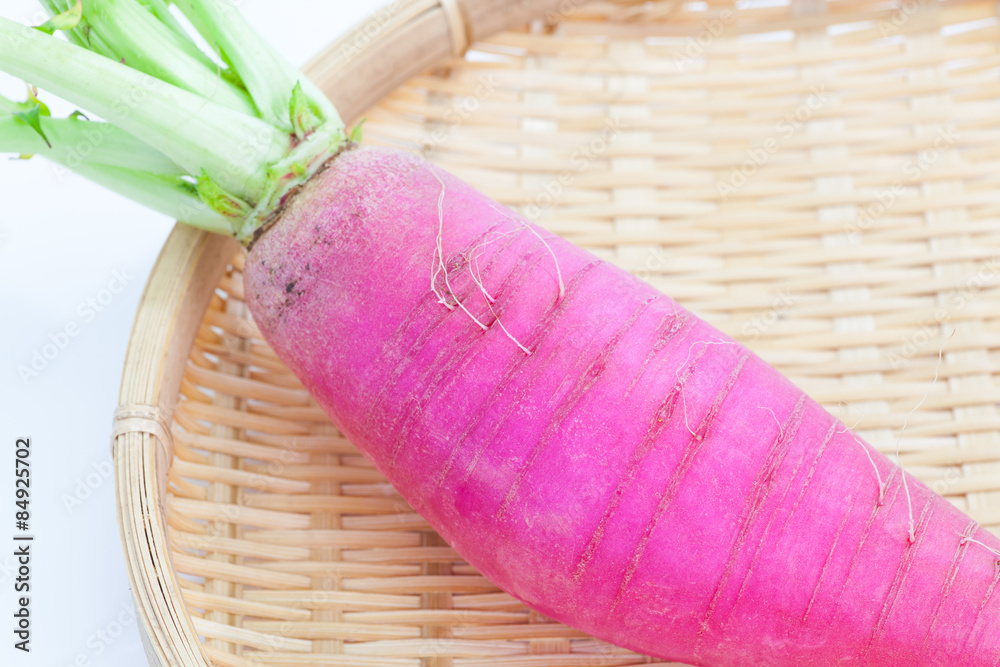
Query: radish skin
point(639, 475)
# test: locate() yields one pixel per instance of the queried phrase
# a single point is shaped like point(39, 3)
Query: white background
point(61, 241)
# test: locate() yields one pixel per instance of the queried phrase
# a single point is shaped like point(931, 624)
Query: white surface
point(62, 240)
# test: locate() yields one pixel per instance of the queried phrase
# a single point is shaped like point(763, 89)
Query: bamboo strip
point(242, 607)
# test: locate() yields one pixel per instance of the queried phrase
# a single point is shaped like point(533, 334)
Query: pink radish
point(592, 447)
point(621, 478)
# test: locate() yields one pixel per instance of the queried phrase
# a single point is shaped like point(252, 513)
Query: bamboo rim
point(772, 262)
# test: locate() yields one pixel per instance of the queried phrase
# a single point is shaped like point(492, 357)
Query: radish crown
point(215, 138)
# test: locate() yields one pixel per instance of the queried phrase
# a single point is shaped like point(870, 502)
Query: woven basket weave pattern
point(816, 179)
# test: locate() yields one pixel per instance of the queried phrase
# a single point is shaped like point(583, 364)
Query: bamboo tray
point(818, 179)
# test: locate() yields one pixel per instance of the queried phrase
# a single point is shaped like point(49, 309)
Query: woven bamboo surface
point(817, 179)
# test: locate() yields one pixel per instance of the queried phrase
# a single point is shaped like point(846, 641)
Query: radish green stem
point(219, 147)
point(204, 135)
point(161, 11)
point(78, 141)
point(267, 76)
point(146, 44)
point(81, 35)
point(169, 194)
point(66, 20)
